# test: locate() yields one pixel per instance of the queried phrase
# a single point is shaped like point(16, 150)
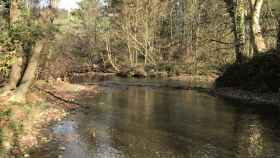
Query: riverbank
point(21, 124)
point(203, 83)
point(23, 127)
point(255, 81)
point(181, 122)
point(99, 77)
point(247, 96)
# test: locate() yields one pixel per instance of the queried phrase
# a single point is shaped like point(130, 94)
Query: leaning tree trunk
point(15, 74)
point(18, 64)
point(29, 74)
point(256, 32)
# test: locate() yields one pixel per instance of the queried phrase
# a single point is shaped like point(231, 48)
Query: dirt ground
point(21, 124)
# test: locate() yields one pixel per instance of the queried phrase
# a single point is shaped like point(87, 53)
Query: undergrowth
point(260, 74)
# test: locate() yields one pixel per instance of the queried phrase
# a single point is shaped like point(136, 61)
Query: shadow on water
point(144, 122)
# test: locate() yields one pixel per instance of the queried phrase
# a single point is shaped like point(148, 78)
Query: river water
point(151, 122)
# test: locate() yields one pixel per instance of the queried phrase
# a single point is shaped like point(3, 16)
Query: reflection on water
point(136, 122)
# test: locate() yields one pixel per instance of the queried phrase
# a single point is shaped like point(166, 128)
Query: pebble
point(62, 148)
point(44, 139)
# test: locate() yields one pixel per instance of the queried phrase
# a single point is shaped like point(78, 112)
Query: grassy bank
point(261, 74)
point(21, 124)
point(256, 81)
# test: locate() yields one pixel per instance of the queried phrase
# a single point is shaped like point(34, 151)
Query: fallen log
point(52, 94)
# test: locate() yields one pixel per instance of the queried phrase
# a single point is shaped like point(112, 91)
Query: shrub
point(261, 74)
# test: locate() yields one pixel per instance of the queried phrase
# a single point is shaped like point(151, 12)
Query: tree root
point(6, 91)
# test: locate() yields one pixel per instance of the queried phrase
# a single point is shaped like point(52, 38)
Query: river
point(150, 122)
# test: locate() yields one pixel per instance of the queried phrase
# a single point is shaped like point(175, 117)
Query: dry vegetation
point(21, 124)
point(132, 38)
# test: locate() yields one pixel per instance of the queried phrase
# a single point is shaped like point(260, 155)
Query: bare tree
point(256, 31)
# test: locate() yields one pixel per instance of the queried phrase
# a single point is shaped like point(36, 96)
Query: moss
point(261, 74)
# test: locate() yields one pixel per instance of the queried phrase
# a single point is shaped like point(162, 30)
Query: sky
point(69, 4)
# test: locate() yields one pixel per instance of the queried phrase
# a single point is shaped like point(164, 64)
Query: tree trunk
point(17, 67)
point(278, 37)
point(15, 74)
point(236, 11)
point(29, 73)
point(256, 32)
point(239, 31)
point(14, 11)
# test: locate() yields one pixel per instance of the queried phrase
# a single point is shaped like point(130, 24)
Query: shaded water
point(145, 122)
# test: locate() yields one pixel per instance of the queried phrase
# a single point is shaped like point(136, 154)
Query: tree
point(278, 37)
point(236, 9)
point(16, 70)
point(29, 74)
point(240, 30)
point(26, 46)
point(256, 31)
point(194, 35)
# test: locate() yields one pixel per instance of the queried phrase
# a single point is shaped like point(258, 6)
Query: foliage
point(4, 8)
point(27, 29)
point(125, 33)
point(33, 24)
point(6, 60)
point(24, 32)
point(5, 45)
point(172, 36)
point(261, 74)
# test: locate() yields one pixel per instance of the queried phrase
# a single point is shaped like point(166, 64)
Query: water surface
point(149, 122)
